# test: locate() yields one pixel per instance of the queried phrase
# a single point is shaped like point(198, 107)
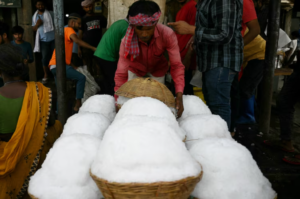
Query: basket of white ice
point(141, 155)
point(146, 87)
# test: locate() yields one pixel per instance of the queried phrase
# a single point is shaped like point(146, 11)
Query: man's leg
point(109, 69)
point(235, 103)
point(75, 75)
point(249, 82)
point(216, 89)
point(88, 57)
point(47, 49)
point(188, 89)
point(287, 99)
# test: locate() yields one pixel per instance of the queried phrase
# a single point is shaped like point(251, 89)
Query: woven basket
point(197, 198)
point(147, 87)
point(161, 190)
point(32, 197)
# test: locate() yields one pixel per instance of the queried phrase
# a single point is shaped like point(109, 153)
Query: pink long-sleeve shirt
point(152, 59)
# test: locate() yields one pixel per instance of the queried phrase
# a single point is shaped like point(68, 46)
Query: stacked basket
point(146, 87)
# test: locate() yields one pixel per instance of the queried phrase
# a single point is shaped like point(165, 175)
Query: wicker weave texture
point(147, 87)
point(161, 190)
point(32, 197)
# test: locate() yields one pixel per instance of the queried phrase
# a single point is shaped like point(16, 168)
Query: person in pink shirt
point(142, 50)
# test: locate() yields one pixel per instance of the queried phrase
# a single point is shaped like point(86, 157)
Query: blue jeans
point(216, 89)
point(74, 75)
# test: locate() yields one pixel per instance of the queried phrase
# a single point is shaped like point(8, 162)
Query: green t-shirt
point(9, 114)
point(109, 46)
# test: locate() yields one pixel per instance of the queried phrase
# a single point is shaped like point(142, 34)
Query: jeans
point(47, 49)
point(216, 89)
point(74, 75)
point(287, 99)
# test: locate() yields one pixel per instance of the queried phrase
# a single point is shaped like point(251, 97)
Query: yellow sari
point(27, 148)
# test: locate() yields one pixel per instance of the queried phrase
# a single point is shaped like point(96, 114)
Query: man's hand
point(39, 22)
point(183, 28)
point(179, 104)
point(25, 61)
point(94, 49)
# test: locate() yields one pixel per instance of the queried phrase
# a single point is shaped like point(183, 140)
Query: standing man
point(91, 33)
point(142, 50)
point(42, 24)
point(219, 48)
point(74, 24)
point(107, 54)
point(187, 13)
point(4, 30)
point(18, 41)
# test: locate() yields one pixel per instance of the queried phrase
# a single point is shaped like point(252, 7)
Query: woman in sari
point(27, 129)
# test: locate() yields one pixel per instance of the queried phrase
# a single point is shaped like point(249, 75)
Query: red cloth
point(131, 39)
point(152, 59)
point(249, 14)
point(188, 14)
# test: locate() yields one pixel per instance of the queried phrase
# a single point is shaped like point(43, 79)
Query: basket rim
point(133, 184)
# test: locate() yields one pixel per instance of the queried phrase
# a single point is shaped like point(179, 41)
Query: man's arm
point(177, 70)
point(121, 75)
point(81, 43)
point(224, 24)
point(37, 25)
point(254, 31)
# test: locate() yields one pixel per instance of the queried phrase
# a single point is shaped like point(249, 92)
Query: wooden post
point(271, 52)
point(25, 20)
point(58, 8)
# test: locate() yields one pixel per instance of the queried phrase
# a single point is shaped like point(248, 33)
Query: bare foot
point(77, 105)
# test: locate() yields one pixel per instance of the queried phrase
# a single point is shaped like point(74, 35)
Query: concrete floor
point(285, 178)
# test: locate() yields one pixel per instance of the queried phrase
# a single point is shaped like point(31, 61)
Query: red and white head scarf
point(131, 39)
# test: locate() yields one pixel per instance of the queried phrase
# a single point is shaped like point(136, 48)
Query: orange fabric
point(68, 47)
point(21, 156)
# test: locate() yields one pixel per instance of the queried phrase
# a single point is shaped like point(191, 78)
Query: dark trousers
point(216, 89)
point(287, 99)
point(108, 69)
point(242, 91)
point(188, 89)
point(47, 49)
point(90, 61)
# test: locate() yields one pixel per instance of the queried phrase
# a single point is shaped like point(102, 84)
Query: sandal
point(292, 159)
point(44, 80)
point(278, 145)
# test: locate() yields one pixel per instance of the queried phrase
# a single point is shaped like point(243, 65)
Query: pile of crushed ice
point(229, 171)
point(65, 172)
point(145, 142)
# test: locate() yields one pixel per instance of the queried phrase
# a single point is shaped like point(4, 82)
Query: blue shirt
point(45, 37)
point(27, 51)
point(75, 46)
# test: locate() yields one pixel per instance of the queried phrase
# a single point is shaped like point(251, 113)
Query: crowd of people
point(223, 39)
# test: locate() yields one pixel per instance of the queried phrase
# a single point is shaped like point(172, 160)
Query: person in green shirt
point(107, 54)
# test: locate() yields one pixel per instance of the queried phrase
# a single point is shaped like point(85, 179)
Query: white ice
point(145, 153)
point(65, 172)
point(87, 123)
point(229, 172)
point(193, 105)
point(204, 126)
point(103, 104)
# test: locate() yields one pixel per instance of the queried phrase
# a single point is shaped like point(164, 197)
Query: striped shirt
point(218, 38)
